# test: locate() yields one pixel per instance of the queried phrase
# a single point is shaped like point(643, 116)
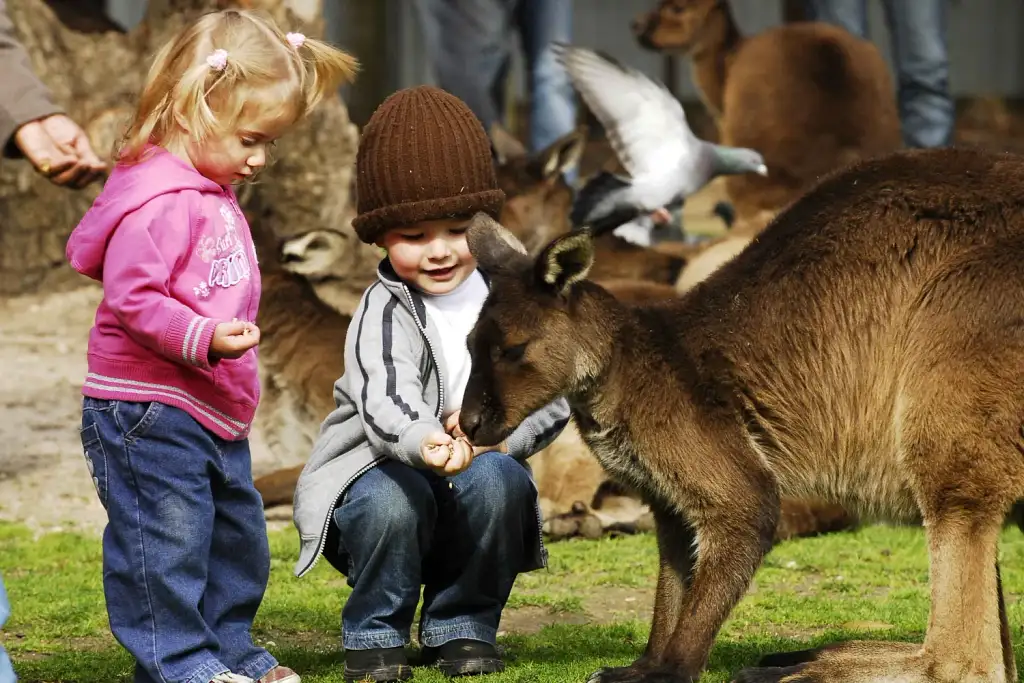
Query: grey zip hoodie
point(390, 396)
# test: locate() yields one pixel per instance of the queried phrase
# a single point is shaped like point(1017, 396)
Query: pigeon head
point(731, 160)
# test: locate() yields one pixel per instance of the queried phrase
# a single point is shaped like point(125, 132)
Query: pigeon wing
point(645, 124)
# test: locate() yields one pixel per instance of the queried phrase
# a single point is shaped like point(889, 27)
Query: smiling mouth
point(440, 273)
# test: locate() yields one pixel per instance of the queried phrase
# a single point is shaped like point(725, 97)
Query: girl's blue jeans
point(464, 538)
point(6, 670)
point(185, 552)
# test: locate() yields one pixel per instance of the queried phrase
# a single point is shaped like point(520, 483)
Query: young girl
point(172, 380)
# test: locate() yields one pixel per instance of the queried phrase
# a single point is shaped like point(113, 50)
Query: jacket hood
point(127, 189)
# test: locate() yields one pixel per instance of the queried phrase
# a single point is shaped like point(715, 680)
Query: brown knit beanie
point(423, 156)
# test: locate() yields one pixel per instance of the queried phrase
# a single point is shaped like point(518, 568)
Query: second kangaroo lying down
point(868, 348)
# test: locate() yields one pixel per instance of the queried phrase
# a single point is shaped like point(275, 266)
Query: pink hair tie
point(296, 39)
point(218, 59)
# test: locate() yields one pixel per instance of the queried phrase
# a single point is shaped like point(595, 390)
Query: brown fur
point(867, 349)
point(809, 96)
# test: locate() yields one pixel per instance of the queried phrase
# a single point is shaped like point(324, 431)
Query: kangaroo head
point(675, 25)
point(528, 346)
point(315, 253)
point(537, 197)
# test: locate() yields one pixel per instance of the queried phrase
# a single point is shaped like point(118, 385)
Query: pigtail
point(191, 102)
point(151, 110)
point(327, 68)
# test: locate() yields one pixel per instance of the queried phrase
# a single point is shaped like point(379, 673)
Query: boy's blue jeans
point(398, 527)
point(918, 32)
point(185, 552)
point(6, 670)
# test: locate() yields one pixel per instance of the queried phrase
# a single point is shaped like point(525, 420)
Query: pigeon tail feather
point(592, 194)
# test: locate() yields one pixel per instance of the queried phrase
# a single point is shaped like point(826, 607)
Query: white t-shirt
point(454, 315)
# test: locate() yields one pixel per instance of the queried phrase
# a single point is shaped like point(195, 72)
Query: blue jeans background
point(6, 671)
point(399, 527)
point(185, 552)
point(918, 32)
point(469, 42)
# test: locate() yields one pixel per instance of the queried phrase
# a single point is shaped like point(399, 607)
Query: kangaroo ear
point(561, 155)
point(565, 261)
point(492, 245)
point(506, 146)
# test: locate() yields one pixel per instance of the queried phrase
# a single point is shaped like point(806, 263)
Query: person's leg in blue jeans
point(486, 529)
point(468, 42)
point(239, 565)
point(6, 670)
point(552, 99)
point(156, 470)
point(918, 31)
point(385, 525)
point(851, 15)
point(399, 527)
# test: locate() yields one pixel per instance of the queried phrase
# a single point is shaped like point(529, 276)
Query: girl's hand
point(231, 340)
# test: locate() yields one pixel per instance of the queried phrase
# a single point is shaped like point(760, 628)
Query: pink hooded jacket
point(175, 257)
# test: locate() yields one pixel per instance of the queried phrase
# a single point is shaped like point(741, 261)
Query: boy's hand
point(444, 455)
point(451, 425)
point(231, 340)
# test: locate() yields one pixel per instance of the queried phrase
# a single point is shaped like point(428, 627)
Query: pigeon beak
point(761, 170)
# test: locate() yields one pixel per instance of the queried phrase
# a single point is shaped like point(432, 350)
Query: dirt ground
point(44, 482)
point(43, 477)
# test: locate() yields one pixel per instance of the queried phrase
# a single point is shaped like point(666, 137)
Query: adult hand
point(59, 150)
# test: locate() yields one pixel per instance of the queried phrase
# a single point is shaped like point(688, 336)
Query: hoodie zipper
point(440, 409)
point(327, 522)
point(430, 347)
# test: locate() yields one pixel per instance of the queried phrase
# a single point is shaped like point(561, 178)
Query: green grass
point(867, 584)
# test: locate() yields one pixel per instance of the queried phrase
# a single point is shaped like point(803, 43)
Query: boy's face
point(432, 256)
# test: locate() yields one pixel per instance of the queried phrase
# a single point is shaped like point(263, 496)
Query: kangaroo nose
point(469, 422)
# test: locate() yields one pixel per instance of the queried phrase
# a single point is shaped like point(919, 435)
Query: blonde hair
point(264, 75)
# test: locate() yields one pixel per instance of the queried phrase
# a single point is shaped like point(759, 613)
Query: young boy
point(394, 495)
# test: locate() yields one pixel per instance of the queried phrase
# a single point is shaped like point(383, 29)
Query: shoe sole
point(471, 667)
point(382, 674)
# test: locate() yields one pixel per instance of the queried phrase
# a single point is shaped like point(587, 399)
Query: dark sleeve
point(23, 97)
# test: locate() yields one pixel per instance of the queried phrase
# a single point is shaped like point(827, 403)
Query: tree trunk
point(96, 71)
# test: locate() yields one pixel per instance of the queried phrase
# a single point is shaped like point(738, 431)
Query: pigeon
point(648, 131)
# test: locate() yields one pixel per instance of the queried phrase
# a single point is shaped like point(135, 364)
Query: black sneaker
point(379, 664)
point(463, 657)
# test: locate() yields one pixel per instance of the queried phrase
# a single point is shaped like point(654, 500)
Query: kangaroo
point(334, 262)
point(809, 96)
point(571, 484)
point(300, 357)
point(868, 348)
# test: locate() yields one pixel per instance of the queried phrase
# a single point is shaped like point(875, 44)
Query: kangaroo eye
point(514, 354)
